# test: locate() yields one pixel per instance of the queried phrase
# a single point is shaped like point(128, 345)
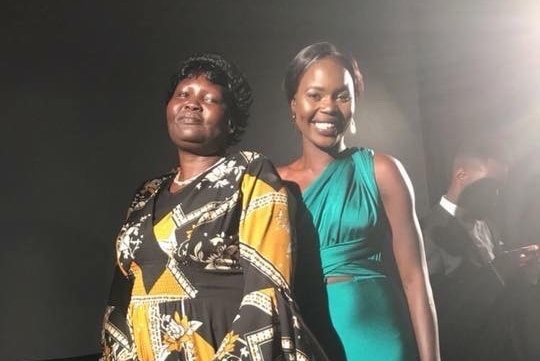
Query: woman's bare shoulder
point(387, 166)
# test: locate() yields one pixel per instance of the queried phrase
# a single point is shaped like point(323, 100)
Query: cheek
point(216, 116)
point(347, 110)
point(171, 110)
point(305, 110)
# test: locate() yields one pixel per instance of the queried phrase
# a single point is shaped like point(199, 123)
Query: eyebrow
point(204, 91)
point(315, 87)
point(320, 88)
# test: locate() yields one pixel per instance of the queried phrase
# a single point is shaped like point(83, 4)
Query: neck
point(452, 195)
point(192, 164)
point(316, 159)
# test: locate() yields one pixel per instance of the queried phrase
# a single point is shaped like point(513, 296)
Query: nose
point(192, 105)
point(329, 105)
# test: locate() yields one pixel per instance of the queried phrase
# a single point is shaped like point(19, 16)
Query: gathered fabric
point(367, 308)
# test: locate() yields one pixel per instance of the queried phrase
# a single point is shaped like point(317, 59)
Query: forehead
point(200, 82)
point(327, 70)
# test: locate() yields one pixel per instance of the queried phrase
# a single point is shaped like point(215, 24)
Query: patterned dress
point(203, 273)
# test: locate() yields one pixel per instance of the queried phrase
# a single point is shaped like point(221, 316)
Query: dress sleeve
point(268, 325)
point(116, 339)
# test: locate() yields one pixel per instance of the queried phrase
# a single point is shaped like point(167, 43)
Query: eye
point(344, 97)
point(212, 99)
point(182, 94)
point(314, 95)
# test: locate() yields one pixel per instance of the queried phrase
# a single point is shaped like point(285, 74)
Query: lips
point(324, 125)
point(327, 127)
point(189, 118)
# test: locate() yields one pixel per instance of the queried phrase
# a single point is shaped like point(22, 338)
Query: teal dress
point(368, 312)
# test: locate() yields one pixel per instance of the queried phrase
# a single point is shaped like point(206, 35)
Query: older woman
point(207, 247)
point(357, 199)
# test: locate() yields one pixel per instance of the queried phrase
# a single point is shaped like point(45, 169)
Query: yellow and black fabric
point(208, 270)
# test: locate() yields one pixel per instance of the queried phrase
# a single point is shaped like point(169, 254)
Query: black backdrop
point(82, 96)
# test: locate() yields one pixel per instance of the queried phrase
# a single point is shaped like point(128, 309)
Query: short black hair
point(238, 95)
point(309, 55)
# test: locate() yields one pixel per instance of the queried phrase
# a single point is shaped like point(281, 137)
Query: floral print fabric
point(206, 271)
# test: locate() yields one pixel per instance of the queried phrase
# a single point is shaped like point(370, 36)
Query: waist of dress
point(336, 279)
point(353, 259)
point(189, 284)
point(347, 278)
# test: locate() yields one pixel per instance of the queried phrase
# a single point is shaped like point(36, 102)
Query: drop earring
point(231, 126)
point(293, 118)
point(352, 126)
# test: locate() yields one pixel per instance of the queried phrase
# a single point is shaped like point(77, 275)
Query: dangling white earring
point(293, 118)
point(232, 128)
point(352, 126)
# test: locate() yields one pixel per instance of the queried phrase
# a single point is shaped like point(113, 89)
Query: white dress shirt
point(477, 229)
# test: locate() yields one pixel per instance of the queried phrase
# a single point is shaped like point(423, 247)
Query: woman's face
point(196, 116)
point(324, 103)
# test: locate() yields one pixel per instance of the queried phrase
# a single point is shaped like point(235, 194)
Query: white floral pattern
point(219, 177)
point(191, 278)
point(130, 238)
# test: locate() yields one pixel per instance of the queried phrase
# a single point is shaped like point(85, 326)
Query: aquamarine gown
point(368, 313)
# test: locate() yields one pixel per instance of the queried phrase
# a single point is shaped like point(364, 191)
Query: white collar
point(448, 206)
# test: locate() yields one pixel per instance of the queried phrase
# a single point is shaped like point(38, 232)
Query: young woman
point(357, 199)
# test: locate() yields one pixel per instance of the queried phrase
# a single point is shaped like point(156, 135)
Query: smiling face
point(324, 103)
point(197, 116)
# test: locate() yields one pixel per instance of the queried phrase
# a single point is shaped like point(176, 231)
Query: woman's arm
point(267, 314)
point(397, 197)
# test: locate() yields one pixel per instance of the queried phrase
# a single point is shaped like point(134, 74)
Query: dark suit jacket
point(466, 289)
point(449, 246)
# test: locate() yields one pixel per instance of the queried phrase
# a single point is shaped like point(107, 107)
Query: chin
point(329, 143)
point(200, 148)
point(328, 147)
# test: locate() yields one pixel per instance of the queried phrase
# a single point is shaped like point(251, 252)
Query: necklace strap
point(185, 182)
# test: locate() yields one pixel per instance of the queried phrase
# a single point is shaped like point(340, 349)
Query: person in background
point(472, 271)
point(357, 200)
point(203, 259)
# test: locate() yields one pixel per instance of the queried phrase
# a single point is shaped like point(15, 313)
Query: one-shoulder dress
point(368, 311)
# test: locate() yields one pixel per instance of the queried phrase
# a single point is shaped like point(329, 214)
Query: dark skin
point(323, 107)
point(197, 124)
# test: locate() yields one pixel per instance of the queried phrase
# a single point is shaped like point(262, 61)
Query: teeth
point(325, 126)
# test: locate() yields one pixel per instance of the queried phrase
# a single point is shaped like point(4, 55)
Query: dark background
point(82, 88)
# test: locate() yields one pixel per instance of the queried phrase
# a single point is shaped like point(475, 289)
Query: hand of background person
point(518, 262)
point(525, 256)
point(528, 260)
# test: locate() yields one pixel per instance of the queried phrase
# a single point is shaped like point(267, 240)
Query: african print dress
point(209, 271)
